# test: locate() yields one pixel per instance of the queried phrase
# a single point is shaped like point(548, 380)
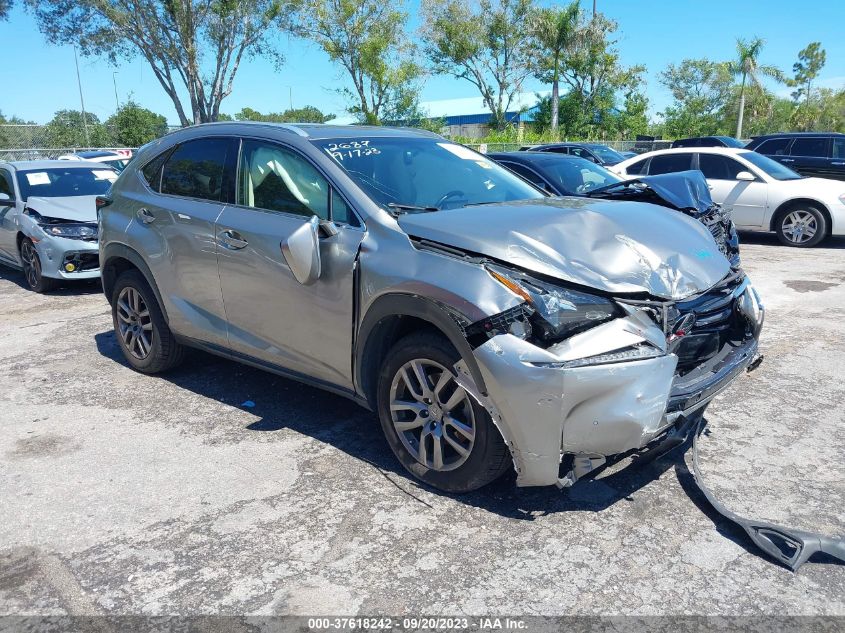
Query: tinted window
point(527, 173)
point(424, 172)
point(730, 141)
point(195, 169)
point(582, 153)
point(774, 146)
point(579, 176)
point(6, 184)
point(687, 142)
point(839, 148)
point(277, 179)
point(152, 170)
point(555, 149)
point(813, 146)
point(669, 163)
point(719, 167)
point(59, 183)
point(636, 168)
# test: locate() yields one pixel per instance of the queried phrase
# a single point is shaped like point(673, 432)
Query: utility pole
point(81, 99)
point(594, 9)
point(290, 96)
point(116, 102)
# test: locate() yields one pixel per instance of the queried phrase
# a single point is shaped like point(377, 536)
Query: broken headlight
point(558, 312)
point(63, 228)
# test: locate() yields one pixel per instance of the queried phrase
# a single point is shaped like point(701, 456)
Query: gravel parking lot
point(127, 494)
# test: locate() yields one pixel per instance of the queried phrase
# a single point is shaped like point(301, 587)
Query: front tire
point(801, 225)
point(32, 270)
point(142, 333)
point(439, 433)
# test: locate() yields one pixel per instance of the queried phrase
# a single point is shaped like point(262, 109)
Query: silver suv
point(485, 322)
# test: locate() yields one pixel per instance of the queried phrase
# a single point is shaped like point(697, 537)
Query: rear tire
point(32, 269)
point(801, 225)
point(439, 433)
point(142, 333)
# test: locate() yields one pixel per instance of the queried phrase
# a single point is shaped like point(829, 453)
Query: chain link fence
point(38, 142)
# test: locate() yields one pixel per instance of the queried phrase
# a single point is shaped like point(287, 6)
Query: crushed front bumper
point(545, 408)
point(56, 252)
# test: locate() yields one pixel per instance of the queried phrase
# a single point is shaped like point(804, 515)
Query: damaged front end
point(575, 374)
point(687, 192)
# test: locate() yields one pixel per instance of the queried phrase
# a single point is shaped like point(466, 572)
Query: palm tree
point(554, 31)
point(746, 66)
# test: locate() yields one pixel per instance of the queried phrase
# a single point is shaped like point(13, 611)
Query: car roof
point(99, 154)
point(797, 134)
point(316, 131)
point(730, 151)
point(52, 164)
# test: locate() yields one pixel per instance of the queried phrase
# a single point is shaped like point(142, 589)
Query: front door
point(270, 315)
point(8, 219)
point(745, 199)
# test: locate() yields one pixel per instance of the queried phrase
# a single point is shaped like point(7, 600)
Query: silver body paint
point(253, 305)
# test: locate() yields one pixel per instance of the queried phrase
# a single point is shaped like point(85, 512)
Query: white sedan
point(762, 194)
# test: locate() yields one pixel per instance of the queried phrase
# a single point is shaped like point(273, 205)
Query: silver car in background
point(487, 324)
point(48, 219)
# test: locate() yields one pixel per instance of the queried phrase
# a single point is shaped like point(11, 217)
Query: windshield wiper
point(400, 206)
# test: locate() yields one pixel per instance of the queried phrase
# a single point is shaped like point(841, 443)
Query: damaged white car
point(48, 219)
point(489, 325)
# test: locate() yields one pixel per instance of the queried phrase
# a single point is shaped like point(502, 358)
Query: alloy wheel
point(31, 264)
point(799, 226)
point(135, 326)
point(433, 416)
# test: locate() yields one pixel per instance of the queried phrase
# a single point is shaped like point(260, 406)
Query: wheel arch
point(389, 318)
point(784, 207)
point(117, 259)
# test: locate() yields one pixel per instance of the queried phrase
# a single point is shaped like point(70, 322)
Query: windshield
point(57, 182)
point(577, 175)
point(429, 173)
point(771, 167)
point(730, 141)
point(606, 154)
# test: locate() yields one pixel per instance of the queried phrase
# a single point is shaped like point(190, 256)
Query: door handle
point(787, 160)
point(145, 216)
point(231, 240)
point(839, 164)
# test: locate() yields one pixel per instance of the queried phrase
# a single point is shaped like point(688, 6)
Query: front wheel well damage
point(785, 207)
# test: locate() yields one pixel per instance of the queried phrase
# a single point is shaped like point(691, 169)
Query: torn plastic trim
point(791, 548)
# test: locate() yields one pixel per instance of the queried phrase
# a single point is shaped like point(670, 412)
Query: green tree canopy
point(306, 114)
point(700, 89)
point(367, 39)
point(133, 126)
point(746, 65)
point(67, 130)
point(485, 42)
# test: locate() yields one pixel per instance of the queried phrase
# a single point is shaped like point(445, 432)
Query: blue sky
point(40, 78)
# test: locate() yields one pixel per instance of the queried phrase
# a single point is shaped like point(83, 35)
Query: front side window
point(774, 146)
point(580, 176)
point(403, 172)
point(276, 179)
point(813, 146)
point(669, 163)
point(606, 154)
point(6, 184)
point(839, 148)
point(717, 167)
point(527, 173)
point(195, 169)
point(57, 182)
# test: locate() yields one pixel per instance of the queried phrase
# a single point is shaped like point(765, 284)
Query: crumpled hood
point(617, 247)
point(75, 208)
point(682, 190)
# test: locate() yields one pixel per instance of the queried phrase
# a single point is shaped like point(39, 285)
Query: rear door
point(837, 161)
point(271, 316)
point(809, 156)
point(745, 199)
point(172, 223)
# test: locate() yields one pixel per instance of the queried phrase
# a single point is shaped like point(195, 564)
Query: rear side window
point(773, 147)
point(719, 167)
point(6, 184)
point(813, 146)
point(669, 163)
point(839, 148)
point(195, 169)
point(636, 168)
point(152, 170)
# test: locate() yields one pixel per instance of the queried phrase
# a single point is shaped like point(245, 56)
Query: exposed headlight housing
point(558, 312)
point(634, 352)
point(63, 228)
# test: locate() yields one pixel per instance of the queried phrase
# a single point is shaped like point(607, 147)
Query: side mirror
point(747, 176)
point(4, 197)
point(301, 251)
